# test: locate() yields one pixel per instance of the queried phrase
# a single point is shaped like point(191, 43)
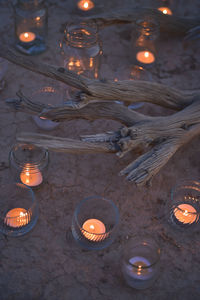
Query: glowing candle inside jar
point(27, 37)
point(94, 230)
point(85, 5)
point(185, 213)
point(17, 217)
point(139, 268)
point(145, 57)
point(165, 10)
point(31, 175)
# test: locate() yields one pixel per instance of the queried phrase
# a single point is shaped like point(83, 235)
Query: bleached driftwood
point(171, 24)
point(160, 137)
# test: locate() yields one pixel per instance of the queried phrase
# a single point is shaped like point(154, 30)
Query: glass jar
point(144, 36)
point(81, 49)
point(183, 211)
point(18, 209)
point(95, 223)
point(28, 164)
point(140, 264)
point(30, 26)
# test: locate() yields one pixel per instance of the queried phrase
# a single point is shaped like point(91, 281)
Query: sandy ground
point(43, 264)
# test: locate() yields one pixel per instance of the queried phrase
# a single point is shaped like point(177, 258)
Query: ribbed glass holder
point(28, 164)
point(95, 223)
point(140, 264)
point(18, 209)
point(183, 211)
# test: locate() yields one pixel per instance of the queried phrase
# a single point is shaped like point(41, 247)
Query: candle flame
point(165, 11)
point(86, 4)
point(92, 227)
point(146, 54)
point(37, 18)
point(26, 34)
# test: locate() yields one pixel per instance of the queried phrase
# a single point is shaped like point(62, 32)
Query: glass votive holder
point(140, 263)
point(28, 164)
point(81, 48)
point(144, 36)
point(183, 211)
point(18, 210)
point(95, 223)
point(49, 96)
point(30, 26)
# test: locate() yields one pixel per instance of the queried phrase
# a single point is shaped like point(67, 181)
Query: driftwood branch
point(91, 89)
point(160, 137)
point(64, 144)
point(171, 24)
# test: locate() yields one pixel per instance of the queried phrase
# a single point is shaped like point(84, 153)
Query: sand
point(46, 263)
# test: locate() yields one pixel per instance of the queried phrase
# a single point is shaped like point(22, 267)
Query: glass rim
point(144, 241)
point(78, 208)
point(33, 198)
point(20, 163)
point(185, 184)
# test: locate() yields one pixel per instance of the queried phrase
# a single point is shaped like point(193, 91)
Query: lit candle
point(139, 268)
point(17, 217)
point(27, 37)
point(185, 213)
point(85, 5)
point(145, 57)
point(31, 175)
point(165, 10)
point(94, 230)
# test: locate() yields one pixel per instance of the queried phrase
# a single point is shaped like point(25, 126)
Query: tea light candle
point(27, 37)
point(185, 213)
point(94, 230)
point(145, 57)
point(165, 10)
point(17, 217)
point(31, 175)
point(85, 5)
point(139, 268)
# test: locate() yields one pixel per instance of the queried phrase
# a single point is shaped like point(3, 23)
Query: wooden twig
point(132, 91)
point(174, 25)
point(160, 137)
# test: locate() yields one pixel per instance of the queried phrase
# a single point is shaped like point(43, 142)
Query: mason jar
point(81, 48)
point(28, 164)
point(31, 19)
point(144, 37)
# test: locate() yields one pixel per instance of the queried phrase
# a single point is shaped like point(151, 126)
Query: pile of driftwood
point(160, 137)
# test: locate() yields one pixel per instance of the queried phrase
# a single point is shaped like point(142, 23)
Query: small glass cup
point(140, 264)
point(183, 211)
point(18, 210)
point(144, 36)
point(31, 19)
point(28, 164)
point(50, 95)
point(95, 223)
